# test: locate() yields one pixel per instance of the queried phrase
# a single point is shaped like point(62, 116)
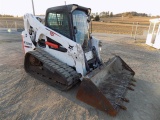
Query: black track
point(51, 70)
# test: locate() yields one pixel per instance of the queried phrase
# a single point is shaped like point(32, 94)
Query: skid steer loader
point(62, 52)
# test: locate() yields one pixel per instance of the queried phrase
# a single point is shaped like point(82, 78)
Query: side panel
point(152, 34)
point(157, 40)
point(74, 55)
point(95, 42)
point(89, 55)
point(26, 42)
point(149, 39)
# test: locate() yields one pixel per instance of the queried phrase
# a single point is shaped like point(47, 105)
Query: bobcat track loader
point(62, 52)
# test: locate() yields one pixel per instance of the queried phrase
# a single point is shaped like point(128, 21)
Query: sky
point(20, 7)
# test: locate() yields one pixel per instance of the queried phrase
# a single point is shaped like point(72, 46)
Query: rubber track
point(53, 64)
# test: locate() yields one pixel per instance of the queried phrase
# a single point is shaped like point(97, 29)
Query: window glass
point(81, 24)
point(58, 21)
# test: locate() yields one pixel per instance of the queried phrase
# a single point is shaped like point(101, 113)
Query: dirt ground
point(118, 28)
point(23, 97)
point(127, 20)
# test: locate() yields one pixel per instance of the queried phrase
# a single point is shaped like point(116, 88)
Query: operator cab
point(72, 21)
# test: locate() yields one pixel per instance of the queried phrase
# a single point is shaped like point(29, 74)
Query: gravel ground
point(24, 98)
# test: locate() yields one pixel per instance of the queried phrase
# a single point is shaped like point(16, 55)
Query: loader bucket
point(105, 87)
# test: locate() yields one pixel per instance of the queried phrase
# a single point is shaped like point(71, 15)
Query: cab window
point(58, 22)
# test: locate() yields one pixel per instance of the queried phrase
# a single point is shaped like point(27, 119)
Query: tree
point(111, 14)
point(97, 18)
point(107, 13)
point(92, 16)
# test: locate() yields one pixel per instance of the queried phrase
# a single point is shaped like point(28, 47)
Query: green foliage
point(92, 16)
point(97, 18)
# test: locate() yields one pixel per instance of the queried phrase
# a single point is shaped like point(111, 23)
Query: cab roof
point(70, 8)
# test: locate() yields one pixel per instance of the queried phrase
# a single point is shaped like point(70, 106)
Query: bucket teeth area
point(122, 107)
point(125, 99)
point(134, 80)
point(115, 87)
point(105, 88)
point(132, 84)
